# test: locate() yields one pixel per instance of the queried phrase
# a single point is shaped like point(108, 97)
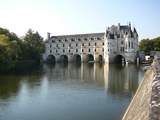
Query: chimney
point(118, 25)
point(48, 35)
point(129, 24)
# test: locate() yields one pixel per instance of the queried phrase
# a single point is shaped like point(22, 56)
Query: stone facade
point(117, 41)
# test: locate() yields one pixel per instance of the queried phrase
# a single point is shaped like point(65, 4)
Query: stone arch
point(64, 58)
point(119, 59)
point(90, 58)
point(100, 58)
point(77, 58)
point(51, 59)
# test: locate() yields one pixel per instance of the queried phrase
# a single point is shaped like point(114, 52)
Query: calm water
point(69, 92)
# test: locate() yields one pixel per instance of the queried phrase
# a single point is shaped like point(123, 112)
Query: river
point(69, 92)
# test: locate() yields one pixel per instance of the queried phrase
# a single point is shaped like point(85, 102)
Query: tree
point(8, 49)
point(33, 46)
point(148, 45)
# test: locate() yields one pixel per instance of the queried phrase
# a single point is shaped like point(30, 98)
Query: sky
point(60, 17)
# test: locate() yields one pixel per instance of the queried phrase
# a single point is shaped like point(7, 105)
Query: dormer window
point(72, 39)
point(79, 39)
point(85, 39)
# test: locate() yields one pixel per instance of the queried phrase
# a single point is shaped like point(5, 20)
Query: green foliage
point(148, 45)
point(14, 50)
point(33, 44)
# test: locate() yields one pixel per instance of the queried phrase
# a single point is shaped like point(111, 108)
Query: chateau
point(117, 44)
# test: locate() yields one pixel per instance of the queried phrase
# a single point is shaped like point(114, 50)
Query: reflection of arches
point(119, 59)
point(51, 59)
point(90, 58)
point(77, 58)
point(63, 58)
point(100, 58)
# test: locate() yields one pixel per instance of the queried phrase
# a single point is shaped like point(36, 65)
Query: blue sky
point(79, 16)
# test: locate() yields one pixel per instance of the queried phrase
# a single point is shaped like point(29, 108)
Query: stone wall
point(155, 95)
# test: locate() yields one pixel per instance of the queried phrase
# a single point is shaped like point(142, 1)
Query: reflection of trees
point(9, 86)
point(122, 79)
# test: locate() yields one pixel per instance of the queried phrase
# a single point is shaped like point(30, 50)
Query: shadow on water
point(123, 80)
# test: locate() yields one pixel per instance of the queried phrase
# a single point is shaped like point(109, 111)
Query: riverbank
point(145, 104)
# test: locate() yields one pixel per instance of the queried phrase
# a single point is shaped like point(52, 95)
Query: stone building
point(118, 44)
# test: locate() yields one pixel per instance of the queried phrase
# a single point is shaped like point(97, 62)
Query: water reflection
point(65, 88)
point(123, 80)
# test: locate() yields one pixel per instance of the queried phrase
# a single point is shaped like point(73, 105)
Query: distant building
point(119, 43)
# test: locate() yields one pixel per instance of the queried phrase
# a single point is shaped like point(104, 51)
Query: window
point(132, 45)
point(95, 50)
point(50, 51)
point(79, 39)
point(85, 39)
point(76, 44)
point(72, 39)
point(98, 38)
point(129, 44)
point(69, 45)
point(57, 45)
point(59, 40)
point(50, 46)
point(82, 44)
point(53, 41)
point(122, 49)
point(63, 45)
point(88, 44)
point(103, 49)
point(66, 40)
point(92, 38)
point(122, 42)
point(89, 50)
point(56, 51)
point(76, 50)
point(103, 43)
point(69, 51)
point(63, 50)
point(82, 50)
point(95, 44)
